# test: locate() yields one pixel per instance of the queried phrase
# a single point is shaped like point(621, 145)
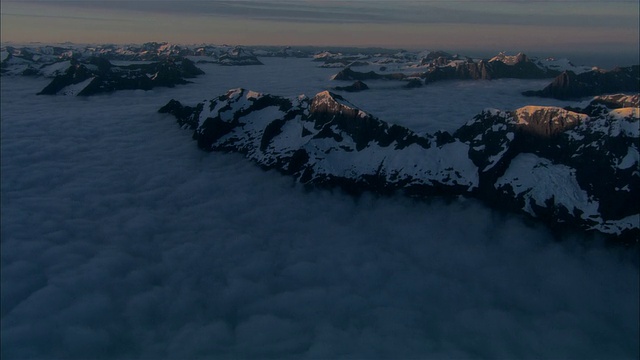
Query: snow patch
point(630, 159)
point(75, 89)
point(55, 69)
point(618, 226)
point(537, 180)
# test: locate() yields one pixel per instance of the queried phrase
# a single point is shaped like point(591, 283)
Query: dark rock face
point(97, 75)
point(333, 60)
point(561, 166)
point(569, 85)
point(75, 74)
point(349, 74)
point(34, 61)
point(355, 87)
point(447, 67)
point(238, 57)
point(413, 83)
point(564, 167)
point(439, 54)
point(186, 116)
point(523, 68)
point(546, 121)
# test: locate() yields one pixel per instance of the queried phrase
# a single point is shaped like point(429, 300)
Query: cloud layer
point(121, 240)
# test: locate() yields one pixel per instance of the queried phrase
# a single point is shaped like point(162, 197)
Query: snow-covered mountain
point(439, 65)
point(29, 60)
point(96, 75)
point(576, 167)
point(589, 83)
point(413, 67)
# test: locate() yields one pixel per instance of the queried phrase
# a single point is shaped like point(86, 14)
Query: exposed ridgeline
point(97, 75)
point(355, 87)
point(448, 67)
point(36, 56)
point(570, 85)
point(237, 56)
point(576, 167)
point(521, 68)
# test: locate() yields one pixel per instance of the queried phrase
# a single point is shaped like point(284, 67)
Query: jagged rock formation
point(519, 68)
point(349, 74)
point(377, 63)
point(546, 121)
point(440, 55)
point(282, 52)
point(30, 60)
point(339, 60)
point(447, 67)
point(236, 57)
point(579, 167)
point(355, 87)
point(97, 75)
point(569, 85)
point(562, 166)
point(25, 61)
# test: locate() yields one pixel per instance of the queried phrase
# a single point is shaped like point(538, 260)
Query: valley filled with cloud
point(121, 239)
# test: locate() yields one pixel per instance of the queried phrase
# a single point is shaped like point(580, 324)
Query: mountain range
point(566, 167)
point(95, 75)
point(415, 69)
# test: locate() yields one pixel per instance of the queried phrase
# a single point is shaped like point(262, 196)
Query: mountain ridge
point(498, 156)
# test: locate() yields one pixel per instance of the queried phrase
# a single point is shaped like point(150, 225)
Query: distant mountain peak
point(326, 102)
point(510, 59)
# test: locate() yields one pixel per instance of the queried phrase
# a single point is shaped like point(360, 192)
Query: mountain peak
point(510, 59)
point(622, 100)
point(330, 103)
point(328, 98)
point(547, 120)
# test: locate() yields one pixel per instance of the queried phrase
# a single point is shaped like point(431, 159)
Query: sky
point(595, 26)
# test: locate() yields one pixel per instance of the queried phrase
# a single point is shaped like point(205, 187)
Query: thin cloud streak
point(91, 18)
point(400, 12)
point(456, 25)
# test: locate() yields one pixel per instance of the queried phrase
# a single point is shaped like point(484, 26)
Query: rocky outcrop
point(520, 68)
point(579, 169)
point(32, 60)
point(564, 167)
point(339, 60)
point(570, 85)
point(546, 121)
point(97, 75)
point(238, 57)
point(449, 68)
point(355, 87)
point(350, 74)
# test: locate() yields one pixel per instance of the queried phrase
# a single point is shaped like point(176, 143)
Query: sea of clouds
point(120, 239)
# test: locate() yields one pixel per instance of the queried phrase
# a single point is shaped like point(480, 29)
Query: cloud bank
point(121, 240)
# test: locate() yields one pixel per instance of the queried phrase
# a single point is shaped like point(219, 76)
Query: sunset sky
point(595, 26)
